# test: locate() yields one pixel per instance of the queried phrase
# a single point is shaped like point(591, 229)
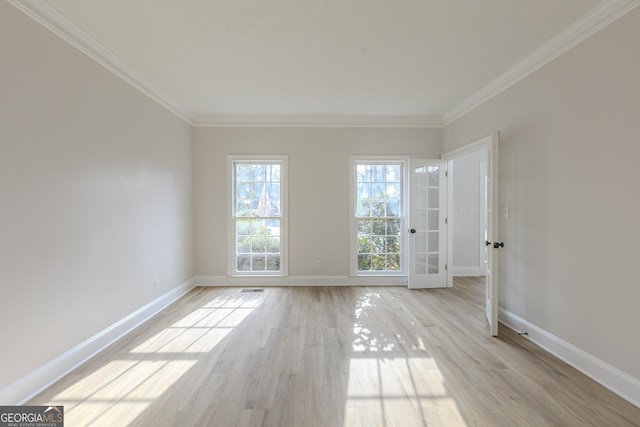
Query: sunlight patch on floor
point(398, 391)
point(120, 391)
point(387, 386)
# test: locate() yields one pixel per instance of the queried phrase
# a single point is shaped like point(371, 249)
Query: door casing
point(490, 143)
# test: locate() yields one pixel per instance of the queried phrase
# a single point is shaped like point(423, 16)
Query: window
point(377, 207)
point(258, 224)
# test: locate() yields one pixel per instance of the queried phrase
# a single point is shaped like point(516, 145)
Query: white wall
point(466, 214)
point(95, 197)
point(569, 173)
point(318, 187)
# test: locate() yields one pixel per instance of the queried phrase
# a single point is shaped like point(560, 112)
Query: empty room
point(319, 213)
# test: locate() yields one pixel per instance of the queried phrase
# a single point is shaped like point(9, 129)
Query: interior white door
point(427, 224)
point(493, 240)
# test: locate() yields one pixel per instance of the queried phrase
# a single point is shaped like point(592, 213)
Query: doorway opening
point(469, 231)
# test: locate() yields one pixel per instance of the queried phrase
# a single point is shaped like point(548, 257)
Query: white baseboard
point(29, 386)
point(469, 270)
point(302, 281)
point(609, 376)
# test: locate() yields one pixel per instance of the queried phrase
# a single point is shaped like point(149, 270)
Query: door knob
point(498, 245)
point(487, 243)
point(412, 231)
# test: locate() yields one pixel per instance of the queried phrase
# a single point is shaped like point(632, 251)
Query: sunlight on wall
point(118, 392)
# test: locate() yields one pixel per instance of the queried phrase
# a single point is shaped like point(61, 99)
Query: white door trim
point(485, 142)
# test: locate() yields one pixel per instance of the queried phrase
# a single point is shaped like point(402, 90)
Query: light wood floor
point(331, 356)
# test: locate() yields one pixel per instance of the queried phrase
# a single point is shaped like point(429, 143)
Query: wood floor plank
point(331, 356)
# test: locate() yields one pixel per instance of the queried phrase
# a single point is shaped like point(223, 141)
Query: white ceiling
point(243, 60)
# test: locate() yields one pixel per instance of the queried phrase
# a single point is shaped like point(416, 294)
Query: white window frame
point(353, 241)
point(284, 214)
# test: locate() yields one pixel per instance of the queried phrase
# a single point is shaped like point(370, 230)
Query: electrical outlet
point(156, 284)
point(317, 264)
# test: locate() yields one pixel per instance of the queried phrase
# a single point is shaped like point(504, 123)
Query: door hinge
point(446, 173)
point(446, 267)
point(446, 220)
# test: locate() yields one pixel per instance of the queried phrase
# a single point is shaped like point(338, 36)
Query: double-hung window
point(258, 226)
point(377, 209)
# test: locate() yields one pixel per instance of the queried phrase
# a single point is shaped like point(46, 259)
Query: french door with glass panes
point(427, 224)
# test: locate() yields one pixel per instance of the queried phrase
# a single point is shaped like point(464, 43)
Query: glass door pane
point(428, 228)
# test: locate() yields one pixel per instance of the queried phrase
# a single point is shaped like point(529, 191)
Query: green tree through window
point(378, 216)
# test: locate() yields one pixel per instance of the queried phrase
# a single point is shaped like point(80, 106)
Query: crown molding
point(598, 18)
point(318, 121)
point(45, 14)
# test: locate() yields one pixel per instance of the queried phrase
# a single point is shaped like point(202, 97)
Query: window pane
point(273, 227)
point(393, 209)
point(364, 226)
point(379, 227)
point(393, 191)
point(258, 244)
point(393, 244)
point(363, 191)
point(243, 226)
point(364, 208)
point(273, 245)
point(258, 195)
point(393, 227)
point(393, 173)
point(258, 173)
point(434, 176)
point(363, 173)
point(433, 264)
point(393, 262)
point(243, 263)
point(433, 220)
point(377, 190)
point(377, 244)
point(378, 199)
point(434, 195)
point(378, 208)
point(273, 190)
point(257, 262)
point(274, 173)
point(256, 190)
point(244, 190)
point(378, 173)
point(421, 177)
point(421, 220)
point(364, 262)
point(273, 208)
point(273, 262)
point(364, 245)
point(257, 227)
point(421, 264)
point(378, 262)
point(433, 241)
point(421, 200)
point(421, 242)
point(243, 173)
point(243, 245)
point(244, 208)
